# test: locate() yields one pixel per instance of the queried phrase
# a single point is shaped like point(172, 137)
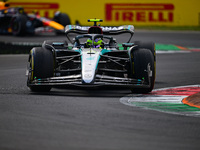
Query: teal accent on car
point(90, 58)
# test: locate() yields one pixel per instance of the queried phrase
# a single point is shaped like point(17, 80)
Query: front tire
point(143, 68)
point(18, 25)
point(147, 45)
point(41, 65)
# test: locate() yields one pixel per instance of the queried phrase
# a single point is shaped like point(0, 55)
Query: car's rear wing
point(107, 30)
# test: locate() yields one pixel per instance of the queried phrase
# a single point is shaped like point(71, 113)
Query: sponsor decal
point(168, 100)
point(111, 28)
point(82, 27)
point(87, 75)
point(43, 9)
point(139, 12)
point(104, 28)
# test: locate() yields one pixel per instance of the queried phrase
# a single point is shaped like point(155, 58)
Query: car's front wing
point(100, 80)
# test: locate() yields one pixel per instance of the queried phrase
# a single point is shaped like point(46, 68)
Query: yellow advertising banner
point(119, 12)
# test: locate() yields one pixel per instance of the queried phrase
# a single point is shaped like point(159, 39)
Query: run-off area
point(168, 100)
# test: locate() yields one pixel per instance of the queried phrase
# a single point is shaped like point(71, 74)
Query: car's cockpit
point(81, 41)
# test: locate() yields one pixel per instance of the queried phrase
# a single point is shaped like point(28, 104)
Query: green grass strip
point(166, 47)
point(163, 106)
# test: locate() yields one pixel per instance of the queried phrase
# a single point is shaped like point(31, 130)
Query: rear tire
point(141, 60)
point(62, 18)
point(41, 65)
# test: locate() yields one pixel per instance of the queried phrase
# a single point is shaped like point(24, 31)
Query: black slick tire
point(41, 65)
point(18, 25)
point(62, 18)
point(141, 60)
point(147, 45)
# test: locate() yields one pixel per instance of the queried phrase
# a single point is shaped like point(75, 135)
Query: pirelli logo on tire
point(139, 12)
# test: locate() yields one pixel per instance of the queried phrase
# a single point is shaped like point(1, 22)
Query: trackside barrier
point(17, 48)
point(119, 12)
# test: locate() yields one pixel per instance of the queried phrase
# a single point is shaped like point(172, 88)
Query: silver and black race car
point(91, 56)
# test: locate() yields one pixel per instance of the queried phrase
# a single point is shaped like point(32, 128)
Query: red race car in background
point(14, 20)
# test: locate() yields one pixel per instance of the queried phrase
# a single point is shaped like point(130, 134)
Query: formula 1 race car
point(90, 56)
point(16, 21)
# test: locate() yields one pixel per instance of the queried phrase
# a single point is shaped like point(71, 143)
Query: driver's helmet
point(89, 43)
point(97, 43)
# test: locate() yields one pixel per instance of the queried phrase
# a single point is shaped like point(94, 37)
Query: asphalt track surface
point(94, 119)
